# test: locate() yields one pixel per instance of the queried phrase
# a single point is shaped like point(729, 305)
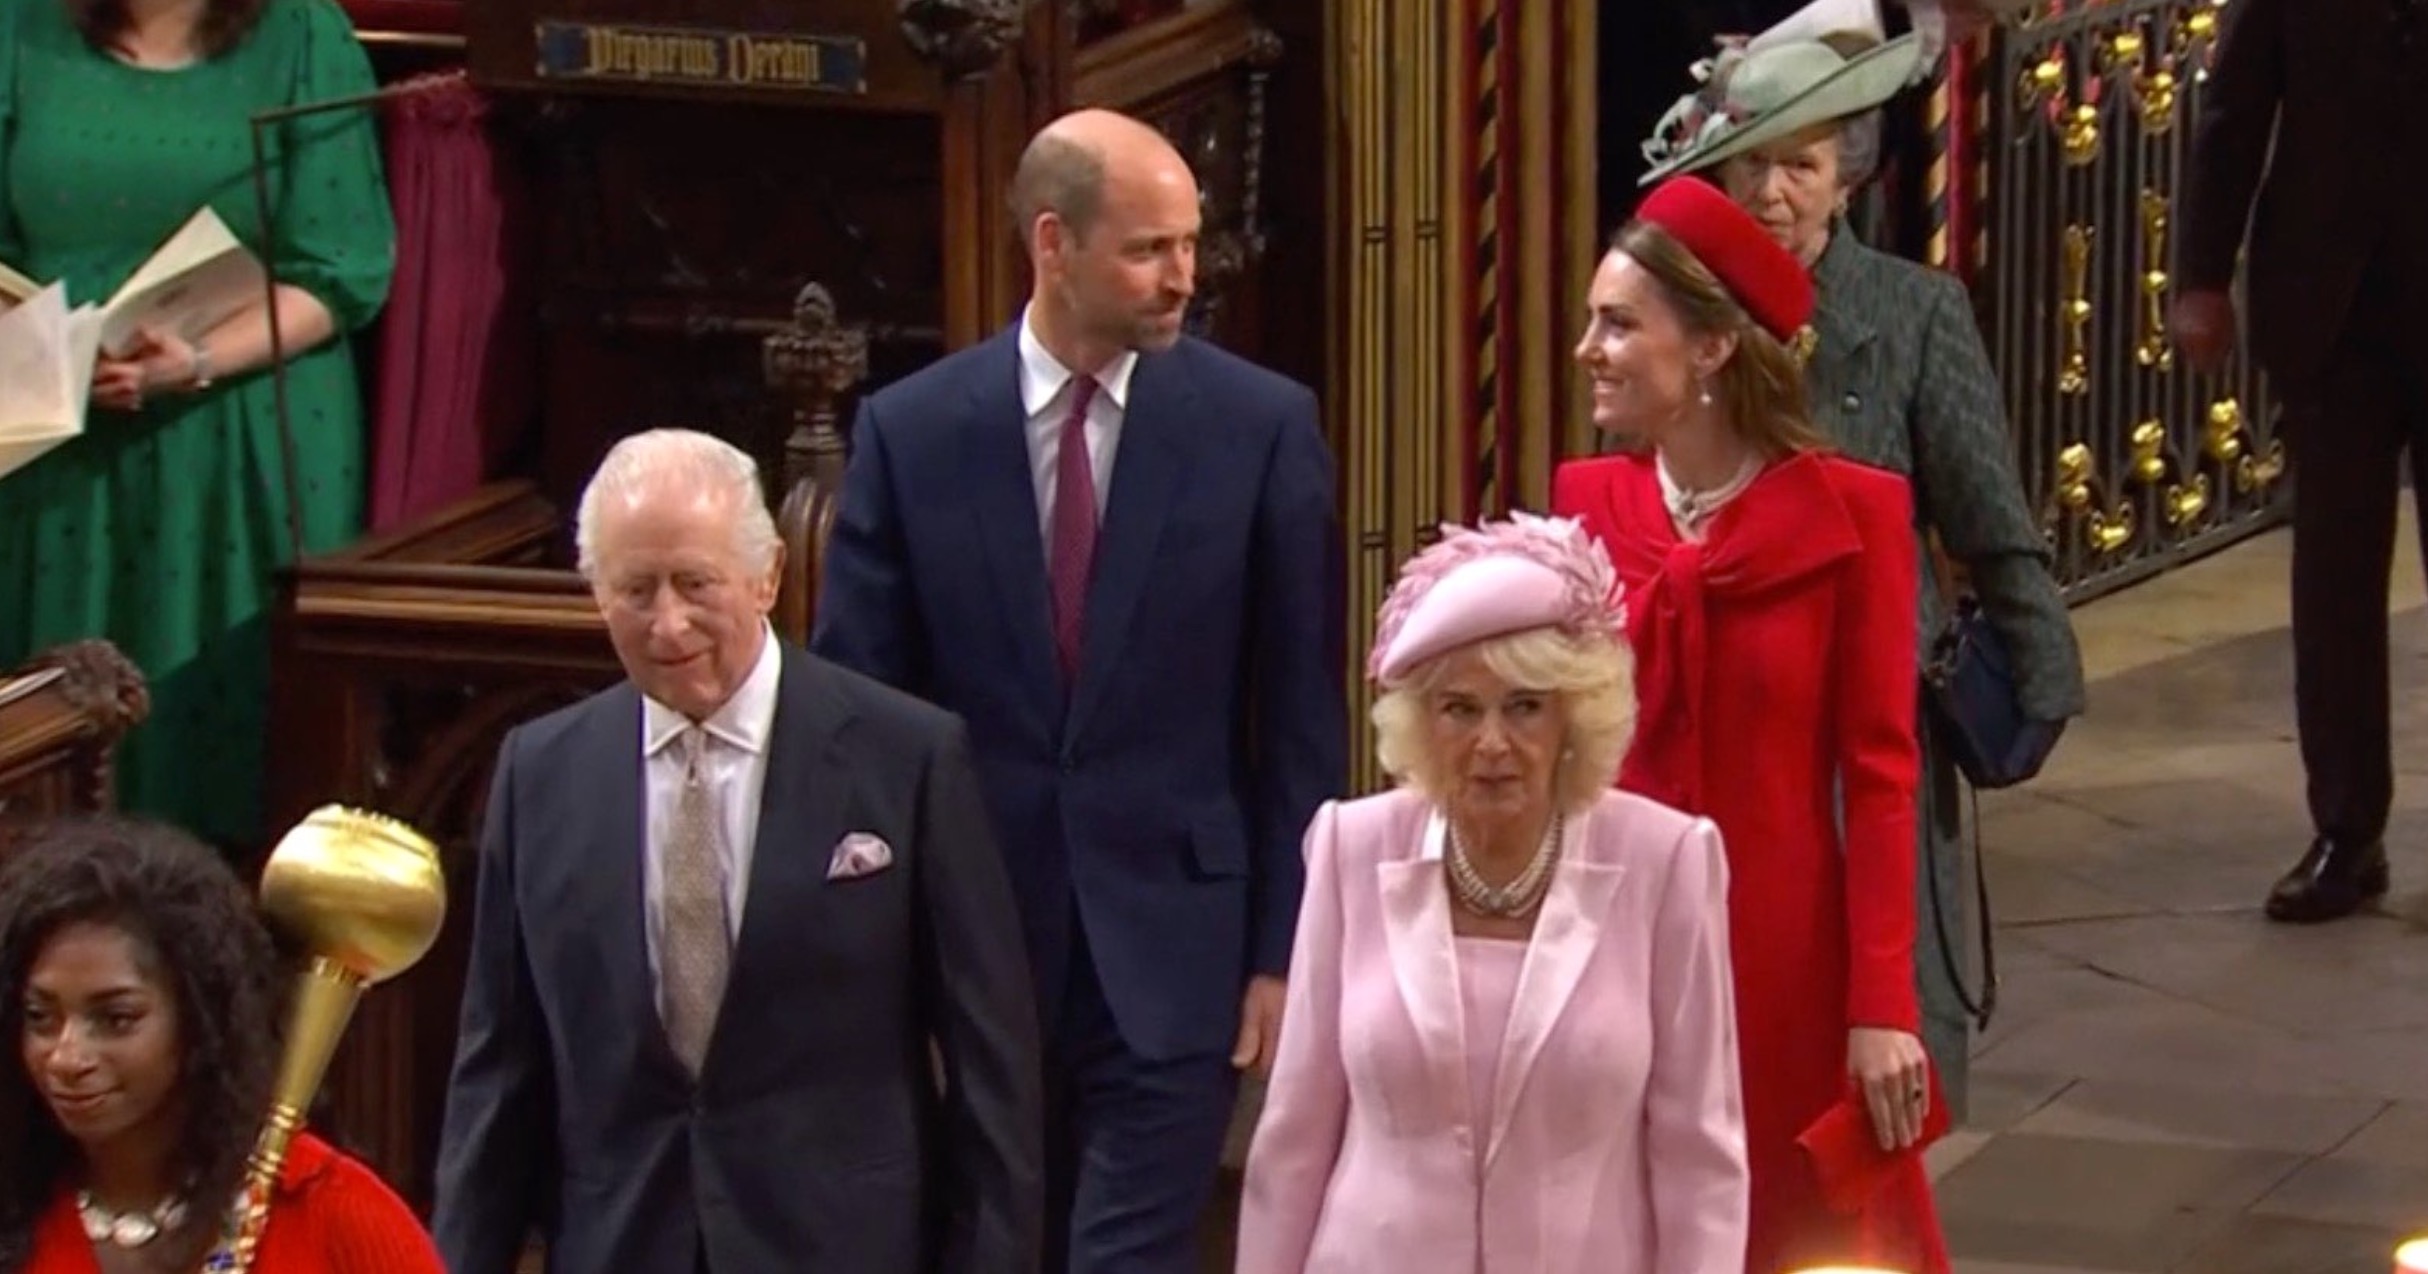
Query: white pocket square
point(859, 854)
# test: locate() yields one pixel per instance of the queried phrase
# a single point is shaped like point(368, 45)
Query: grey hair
point(1061, 176)
point(692, 460)
point(1858, 148)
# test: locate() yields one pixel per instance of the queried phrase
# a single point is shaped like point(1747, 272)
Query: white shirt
point(1045, 393)
point(736, 766)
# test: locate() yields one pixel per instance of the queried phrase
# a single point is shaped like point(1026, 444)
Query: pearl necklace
point(1690, 509)
point(1521, 895)
point(129, 1229)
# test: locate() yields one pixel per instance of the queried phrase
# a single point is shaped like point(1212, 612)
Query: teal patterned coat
point(1899, 379)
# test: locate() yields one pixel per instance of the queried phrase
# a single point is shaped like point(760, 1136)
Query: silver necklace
point(1521, 895)
point(129, 1229)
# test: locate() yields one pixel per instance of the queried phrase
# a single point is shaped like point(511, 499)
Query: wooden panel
point(1297, 196)
point(406, 38)
point(505, 52)
point(400, 664)
point(1202, 78)
point(1099, 20)
point(672, 237)
point(374, 18)
point(61, 717)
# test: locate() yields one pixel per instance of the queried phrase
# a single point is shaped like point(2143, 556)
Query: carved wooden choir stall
point(61, 716)
point(741, 211)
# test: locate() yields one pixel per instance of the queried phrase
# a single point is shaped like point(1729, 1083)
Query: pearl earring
point(1704, 393)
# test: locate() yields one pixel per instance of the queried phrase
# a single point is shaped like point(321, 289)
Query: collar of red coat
point(1790, 522)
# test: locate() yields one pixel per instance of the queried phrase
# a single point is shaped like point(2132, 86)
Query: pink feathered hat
point(1491, 581)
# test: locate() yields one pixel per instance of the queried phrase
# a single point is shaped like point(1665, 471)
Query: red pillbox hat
point(1764, 278)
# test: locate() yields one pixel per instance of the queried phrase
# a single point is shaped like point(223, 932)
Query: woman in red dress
point(1771, 602)
point(142, 991)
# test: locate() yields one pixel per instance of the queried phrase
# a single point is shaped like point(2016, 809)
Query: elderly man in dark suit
point(1113, 548)
point(1898, 377)
point(2320, 109)
point(730, 916)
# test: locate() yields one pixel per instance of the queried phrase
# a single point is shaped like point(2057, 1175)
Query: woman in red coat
point(1771, 602)
point(142, 991)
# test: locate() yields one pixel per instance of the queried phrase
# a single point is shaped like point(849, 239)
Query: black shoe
point(2331, 881)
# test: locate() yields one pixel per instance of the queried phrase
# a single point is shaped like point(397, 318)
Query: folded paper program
point(198, 278)
point(46, 373)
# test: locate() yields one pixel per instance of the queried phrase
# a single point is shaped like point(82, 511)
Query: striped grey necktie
point(695, 943)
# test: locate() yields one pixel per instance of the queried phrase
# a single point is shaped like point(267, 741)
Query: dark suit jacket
point(815, 1138)
point(1207, 722)
point(1900, 380)
point(2320, 77)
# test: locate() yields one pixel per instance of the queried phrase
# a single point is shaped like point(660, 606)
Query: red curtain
point(448, 377)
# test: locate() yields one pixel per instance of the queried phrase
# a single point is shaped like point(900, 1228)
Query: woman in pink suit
point(1510, 1041)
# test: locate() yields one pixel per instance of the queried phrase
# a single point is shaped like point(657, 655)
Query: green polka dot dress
point(161, 529)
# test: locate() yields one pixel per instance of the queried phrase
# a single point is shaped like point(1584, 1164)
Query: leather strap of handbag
point(1943, 570)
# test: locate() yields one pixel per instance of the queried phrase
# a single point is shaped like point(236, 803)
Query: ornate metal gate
point(2136, 462)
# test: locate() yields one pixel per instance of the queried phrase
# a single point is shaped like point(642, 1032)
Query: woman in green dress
point(161, 526)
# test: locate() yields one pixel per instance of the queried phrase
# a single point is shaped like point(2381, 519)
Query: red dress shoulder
point(331, 1215)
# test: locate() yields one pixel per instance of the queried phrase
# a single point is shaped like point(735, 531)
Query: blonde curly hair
point(1593, 673)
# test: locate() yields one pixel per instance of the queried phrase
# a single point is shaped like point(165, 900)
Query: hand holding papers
point(195, 281)
point(192, 284)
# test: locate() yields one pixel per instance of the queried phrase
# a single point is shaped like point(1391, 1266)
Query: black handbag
point(1970, 685)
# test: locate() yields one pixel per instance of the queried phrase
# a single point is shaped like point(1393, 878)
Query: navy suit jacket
point(1165, 796)
point(815, 1137)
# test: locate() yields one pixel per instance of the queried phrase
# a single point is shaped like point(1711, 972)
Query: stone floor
point(2171, 1082)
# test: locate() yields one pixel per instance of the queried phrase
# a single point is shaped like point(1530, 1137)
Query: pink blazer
point(1615, 1143)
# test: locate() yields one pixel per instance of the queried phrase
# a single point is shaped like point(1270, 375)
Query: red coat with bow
point(1776, 673)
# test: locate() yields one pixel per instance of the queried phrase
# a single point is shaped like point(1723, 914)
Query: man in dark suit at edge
point(2313, 132)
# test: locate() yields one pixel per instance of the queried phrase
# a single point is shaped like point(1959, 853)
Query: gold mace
point(364, 896)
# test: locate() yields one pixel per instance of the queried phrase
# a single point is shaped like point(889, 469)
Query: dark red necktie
point(1071, 547)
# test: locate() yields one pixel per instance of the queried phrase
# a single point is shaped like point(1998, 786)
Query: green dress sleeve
point(335, 231)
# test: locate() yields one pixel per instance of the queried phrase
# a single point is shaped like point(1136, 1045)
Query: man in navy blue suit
point(1114, 551)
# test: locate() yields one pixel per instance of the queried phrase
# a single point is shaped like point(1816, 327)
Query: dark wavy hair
point(225, 23)
point(198, 936)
